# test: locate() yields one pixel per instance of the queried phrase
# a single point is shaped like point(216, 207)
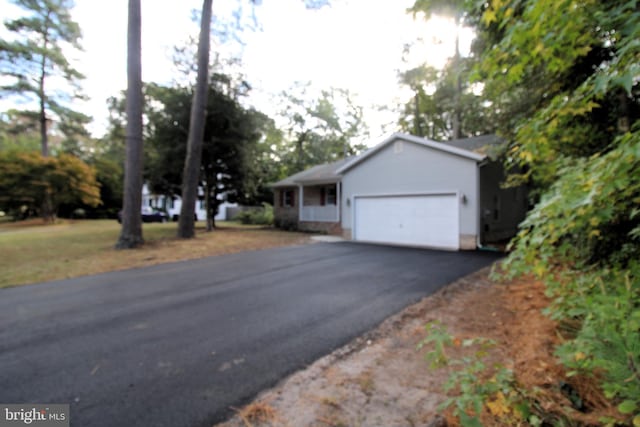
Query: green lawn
point(32, 252)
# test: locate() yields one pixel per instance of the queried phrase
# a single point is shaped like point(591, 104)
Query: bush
point(257, 216)
point(583, 240)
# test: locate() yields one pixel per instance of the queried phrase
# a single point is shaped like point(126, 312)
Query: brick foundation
point(332, 228)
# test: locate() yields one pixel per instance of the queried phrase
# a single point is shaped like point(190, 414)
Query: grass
point(32, 252)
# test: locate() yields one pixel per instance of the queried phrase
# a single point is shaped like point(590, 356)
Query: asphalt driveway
point(178, 344)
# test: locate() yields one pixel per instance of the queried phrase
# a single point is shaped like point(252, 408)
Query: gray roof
point(320, 174)
point(485, 144)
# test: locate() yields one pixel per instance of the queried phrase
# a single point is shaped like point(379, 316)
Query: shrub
point(257, 216)
point(583, 240)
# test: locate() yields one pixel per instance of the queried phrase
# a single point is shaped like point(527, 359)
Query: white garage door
point(428, 220)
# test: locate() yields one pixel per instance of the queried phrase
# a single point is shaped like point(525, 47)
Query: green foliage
point(109, 177)
point(560, 73)
point(320, 129)
point(566, 73)
point(256, 216)
point(440, 338)
point(562, 77)
point(237, 159)
point(606, 303)
point(430, 111)
point(475, 385)
point(453, 8)
point(18, 132)
point(36, 55)
point(588, 216)
point(26, 179)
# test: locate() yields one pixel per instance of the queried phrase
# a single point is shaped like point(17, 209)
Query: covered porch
point(310, 200)
point(319, 202)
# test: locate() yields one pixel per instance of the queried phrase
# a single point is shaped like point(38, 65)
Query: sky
point(353, 44)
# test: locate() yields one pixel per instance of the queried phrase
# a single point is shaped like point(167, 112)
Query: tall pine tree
point(35, 57)
point(131, 233)
point(186, 226)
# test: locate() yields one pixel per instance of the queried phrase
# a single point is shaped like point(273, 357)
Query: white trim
point(441, 146)
point(454, 193)
point(409, 194)
point(478, 207)
point(338, 202)
point(300, 201)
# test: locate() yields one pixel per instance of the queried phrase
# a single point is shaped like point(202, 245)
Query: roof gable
point(413, 139)
point(490, 145)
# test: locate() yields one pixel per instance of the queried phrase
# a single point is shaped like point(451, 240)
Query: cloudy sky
point(354, 44)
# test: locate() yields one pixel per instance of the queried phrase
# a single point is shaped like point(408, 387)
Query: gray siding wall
point(414, 169)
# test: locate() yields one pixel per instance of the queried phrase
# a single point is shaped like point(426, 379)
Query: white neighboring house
point(172, 205)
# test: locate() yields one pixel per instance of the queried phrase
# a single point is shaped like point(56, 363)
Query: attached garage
point(414, 192)
point(426, 220)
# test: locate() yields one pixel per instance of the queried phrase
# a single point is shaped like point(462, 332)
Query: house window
point(330, 195)
point(287, 198)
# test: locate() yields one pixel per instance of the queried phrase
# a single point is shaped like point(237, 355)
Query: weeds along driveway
point(179, 344)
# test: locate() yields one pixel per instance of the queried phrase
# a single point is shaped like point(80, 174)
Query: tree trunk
point(44, 140)
point(457, 119)
point(186, 226)
point(131, 233)
point(300, 151)
point(207, 203)
point(215, 206)
point(47, 204)
point(624, 122)
point(417, 129)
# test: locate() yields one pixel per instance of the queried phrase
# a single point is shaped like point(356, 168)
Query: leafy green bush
point(583, 240)
point(563, 79)
point(257, 216)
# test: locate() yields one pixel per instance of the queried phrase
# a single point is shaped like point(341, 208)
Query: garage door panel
point(429, 220)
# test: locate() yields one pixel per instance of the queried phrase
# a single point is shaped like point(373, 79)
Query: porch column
point(300, 201)
point(338, 201)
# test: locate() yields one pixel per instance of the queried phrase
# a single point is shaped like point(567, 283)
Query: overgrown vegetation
point(564, 76)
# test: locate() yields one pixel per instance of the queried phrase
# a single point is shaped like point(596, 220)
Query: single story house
point(407, 191)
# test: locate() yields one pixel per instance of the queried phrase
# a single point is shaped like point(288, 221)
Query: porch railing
point(328, 213)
